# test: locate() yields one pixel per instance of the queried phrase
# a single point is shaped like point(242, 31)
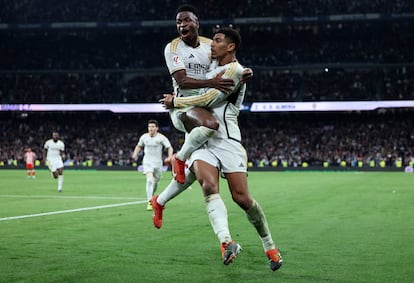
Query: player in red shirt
point(30, 158)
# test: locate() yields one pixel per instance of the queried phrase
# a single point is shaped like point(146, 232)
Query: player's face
point(152, 129)
point(55, 136)
point(187, 26)
point(219, 46)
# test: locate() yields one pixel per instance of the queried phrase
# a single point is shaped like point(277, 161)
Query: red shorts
point(29, 166)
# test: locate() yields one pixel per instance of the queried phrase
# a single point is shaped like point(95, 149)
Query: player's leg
point(33, 173)
point(29, 170)
point(60, 178)
point(173, 189)
point(200, 124)
point(208, 177)
point(52, 165)
point(238, 186)
point(157, 176)
point(149, 172)
point(149, 184)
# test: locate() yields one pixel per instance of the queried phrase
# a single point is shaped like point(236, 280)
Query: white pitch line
point(71, 210)
point(62, 196)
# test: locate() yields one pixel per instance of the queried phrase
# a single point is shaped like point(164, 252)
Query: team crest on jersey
point(176, 60)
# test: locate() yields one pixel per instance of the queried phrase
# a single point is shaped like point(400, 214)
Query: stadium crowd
point(267, 85)
point(292, 138)
point(23, 11)
point(264, 45)
point(365, 61)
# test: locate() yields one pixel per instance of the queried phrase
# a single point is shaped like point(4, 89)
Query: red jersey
point(30, 157)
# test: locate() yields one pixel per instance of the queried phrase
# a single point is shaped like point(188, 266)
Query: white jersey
point(211, 97)
point(195, 61)
point(225, 106)
point(224, 149)
point(153, 147)
point(54, 149)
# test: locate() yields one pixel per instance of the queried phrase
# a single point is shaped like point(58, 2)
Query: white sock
point(60, 182)
point(175, 188)
point(196, 138)
point(150, 187)
point(256, 216)
point(155, 186)
point(217, 214)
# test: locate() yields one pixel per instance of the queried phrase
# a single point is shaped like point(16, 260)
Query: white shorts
point(175, 114)
point(55, 164)
point(227, 155)
point(156, 171)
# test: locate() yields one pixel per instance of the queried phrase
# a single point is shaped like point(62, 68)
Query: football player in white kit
point(54, 150)
point(223, 153)
point(153, 144)
point(188, 58)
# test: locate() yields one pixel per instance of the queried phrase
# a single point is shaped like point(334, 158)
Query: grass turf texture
point(330, 227)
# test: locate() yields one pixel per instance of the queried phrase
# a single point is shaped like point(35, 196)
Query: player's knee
point(242, 200)
point(211, 123)
point(209, 188)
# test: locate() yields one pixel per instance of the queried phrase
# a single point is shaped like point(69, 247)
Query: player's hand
point(167, 101)
point(247, 75)
point(167, 161)
point(222, 84)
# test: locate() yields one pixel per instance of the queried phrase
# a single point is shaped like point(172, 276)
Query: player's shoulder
point(205, 40)
point(173, 45)
point(232, 68)
point(161, 136)
point(144, 136)
point(236, 64)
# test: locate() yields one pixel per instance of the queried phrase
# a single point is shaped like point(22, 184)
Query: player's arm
point(62, 154)
point(247, 75)
point(44, 155)
point(208, 97)
point(170, 154)
point(177, 70)
point(218, 82)
point(136, 151)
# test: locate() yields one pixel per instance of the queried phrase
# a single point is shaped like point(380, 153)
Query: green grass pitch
point(329, 226)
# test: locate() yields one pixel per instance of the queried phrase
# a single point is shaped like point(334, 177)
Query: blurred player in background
point(54, 150)
point(153, 144)
point(188, 58)
point(223, 154)
point(29, 158)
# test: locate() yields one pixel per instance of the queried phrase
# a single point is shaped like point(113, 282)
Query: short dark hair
point(231, 34)
point(153, 122)
point(187, 8)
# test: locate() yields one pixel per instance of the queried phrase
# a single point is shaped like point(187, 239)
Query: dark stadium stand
point(127, 10)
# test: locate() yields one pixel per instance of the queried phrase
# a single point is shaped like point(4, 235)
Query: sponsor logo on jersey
point(176, 60)
point(197, 68)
